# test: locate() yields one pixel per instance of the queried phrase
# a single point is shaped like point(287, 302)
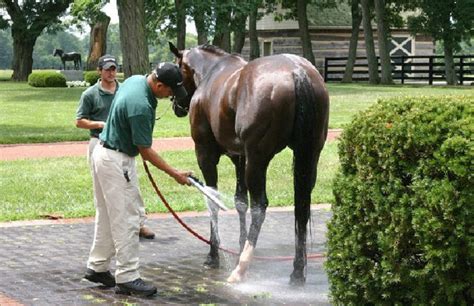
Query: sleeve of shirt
point(142, 130)
point(85, 106)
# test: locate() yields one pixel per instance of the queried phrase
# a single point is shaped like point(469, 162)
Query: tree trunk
point(26, 25)
point(382, 35)
point(369, 43)
point(22, 57)
point(253, 35)
point(201, 28)
point(222, 36)
point(133, 37)
point(449, 63)
point(304, 32)
point(97, 42)
point(180, 24)
point(356, 21)
point(239, 32)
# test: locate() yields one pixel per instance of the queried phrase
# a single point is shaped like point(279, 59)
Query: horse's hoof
point(297, 279)
point(212, 262)
point(235, 277)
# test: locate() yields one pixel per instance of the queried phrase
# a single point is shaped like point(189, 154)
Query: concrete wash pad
point(44, 264)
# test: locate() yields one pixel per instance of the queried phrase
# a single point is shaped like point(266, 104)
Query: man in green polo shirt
point(127, 133)
point(92, 113)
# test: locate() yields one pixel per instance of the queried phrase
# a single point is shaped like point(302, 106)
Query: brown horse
point(250, 111)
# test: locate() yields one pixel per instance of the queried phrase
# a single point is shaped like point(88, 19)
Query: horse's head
point(57, 52)
point(181, 106)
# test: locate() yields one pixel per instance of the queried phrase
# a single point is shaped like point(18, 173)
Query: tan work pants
point(117, 214)
point(94, 142)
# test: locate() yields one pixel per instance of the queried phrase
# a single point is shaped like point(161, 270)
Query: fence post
point(402, 76)
point(430, 70)
point(461, 70)
point(325, 69)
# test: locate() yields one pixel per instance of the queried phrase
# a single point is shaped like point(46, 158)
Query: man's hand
point(182, 177)
point(152, 156)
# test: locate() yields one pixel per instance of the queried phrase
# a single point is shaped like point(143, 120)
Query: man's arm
point(152, 156)
point(87, 124)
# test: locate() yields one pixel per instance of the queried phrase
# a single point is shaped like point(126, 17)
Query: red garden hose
point(198, 236)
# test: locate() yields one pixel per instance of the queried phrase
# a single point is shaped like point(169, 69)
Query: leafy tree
point(113, 42)
point(27, 20)
point(47, 42)
point(6, 50)
point(297, 9)
point(89, 11)
point(448, 21)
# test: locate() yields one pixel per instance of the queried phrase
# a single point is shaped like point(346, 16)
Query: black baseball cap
point(170, 75)
point(107, 61)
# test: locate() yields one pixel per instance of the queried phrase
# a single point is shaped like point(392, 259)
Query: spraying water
point(209, 192)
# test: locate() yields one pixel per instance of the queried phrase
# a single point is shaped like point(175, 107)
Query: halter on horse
point(250, 111)
point(71, 56)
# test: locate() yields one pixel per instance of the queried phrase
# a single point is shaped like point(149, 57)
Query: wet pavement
point(44, 264)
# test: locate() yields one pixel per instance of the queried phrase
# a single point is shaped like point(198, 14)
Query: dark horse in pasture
point(67, 57)
point(250, 111)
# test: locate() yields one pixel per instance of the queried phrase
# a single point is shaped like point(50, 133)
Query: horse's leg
point(64, 64)
point(241, 197)
point(304, 184)
point(255, 176)
point(208, 158)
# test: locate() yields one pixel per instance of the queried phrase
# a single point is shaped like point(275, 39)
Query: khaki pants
point(93, 142)
point(117, 214)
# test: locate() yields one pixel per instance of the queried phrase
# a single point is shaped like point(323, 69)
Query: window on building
point(267, 48)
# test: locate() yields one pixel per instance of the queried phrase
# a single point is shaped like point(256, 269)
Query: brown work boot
point(146, 232)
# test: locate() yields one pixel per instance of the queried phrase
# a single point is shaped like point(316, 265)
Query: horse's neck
point(219, 66)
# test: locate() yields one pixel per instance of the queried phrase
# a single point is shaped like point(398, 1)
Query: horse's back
point(267, 99)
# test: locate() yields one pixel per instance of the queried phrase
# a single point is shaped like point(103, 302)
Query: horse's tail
point(308, 137)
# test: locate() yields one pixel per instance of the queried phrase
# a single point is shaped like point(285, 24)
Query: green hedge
point(91, 77)
point(403, 225)
point(46, 79)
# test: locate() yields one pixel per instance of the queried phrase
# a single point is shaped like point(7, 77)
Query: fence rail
point(404, 68)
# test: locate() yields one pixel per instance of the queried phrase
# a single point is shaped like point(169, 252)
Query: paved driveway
point(44, 264)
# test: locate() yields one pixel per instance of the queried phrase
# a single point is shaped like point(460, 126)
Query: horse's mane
point(215, 50)
point(212, 49)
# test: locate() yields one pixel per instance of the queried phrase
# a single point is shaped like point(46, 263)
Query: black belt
point(105, 145)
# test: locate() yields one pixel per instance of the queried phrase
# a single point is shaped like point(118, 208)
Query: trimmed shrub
point(46, 79)
point(402, 231)
point(91, 77)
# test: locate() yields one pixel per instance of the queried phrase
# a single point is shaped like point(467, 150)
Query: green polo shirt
point(95, 105)
point(132, 117)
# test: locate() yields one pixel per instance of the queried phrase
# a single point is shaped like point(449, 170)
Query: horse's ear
point(175, 50)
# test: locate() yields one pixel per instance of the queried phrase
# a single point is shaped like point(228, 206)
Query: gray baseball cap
point(107, 61)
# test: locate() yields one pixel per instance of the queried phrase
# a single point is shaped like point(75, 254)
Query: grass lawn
point(36, 187)
point(29, 114)
point(32, 188)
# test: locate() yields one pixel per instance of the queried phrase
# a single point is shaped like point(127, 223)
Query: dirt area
point(60, 149)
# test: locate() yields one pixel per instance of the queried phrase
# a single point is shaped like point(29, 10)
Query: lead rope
point(198, 236)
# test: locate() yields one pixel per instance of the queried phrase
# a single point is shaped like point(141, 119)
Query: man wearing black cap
point(127, 133)
point(93, 110)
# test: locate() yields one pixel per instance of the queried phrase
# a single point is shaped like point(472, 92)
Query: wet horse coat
point(250, 111)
